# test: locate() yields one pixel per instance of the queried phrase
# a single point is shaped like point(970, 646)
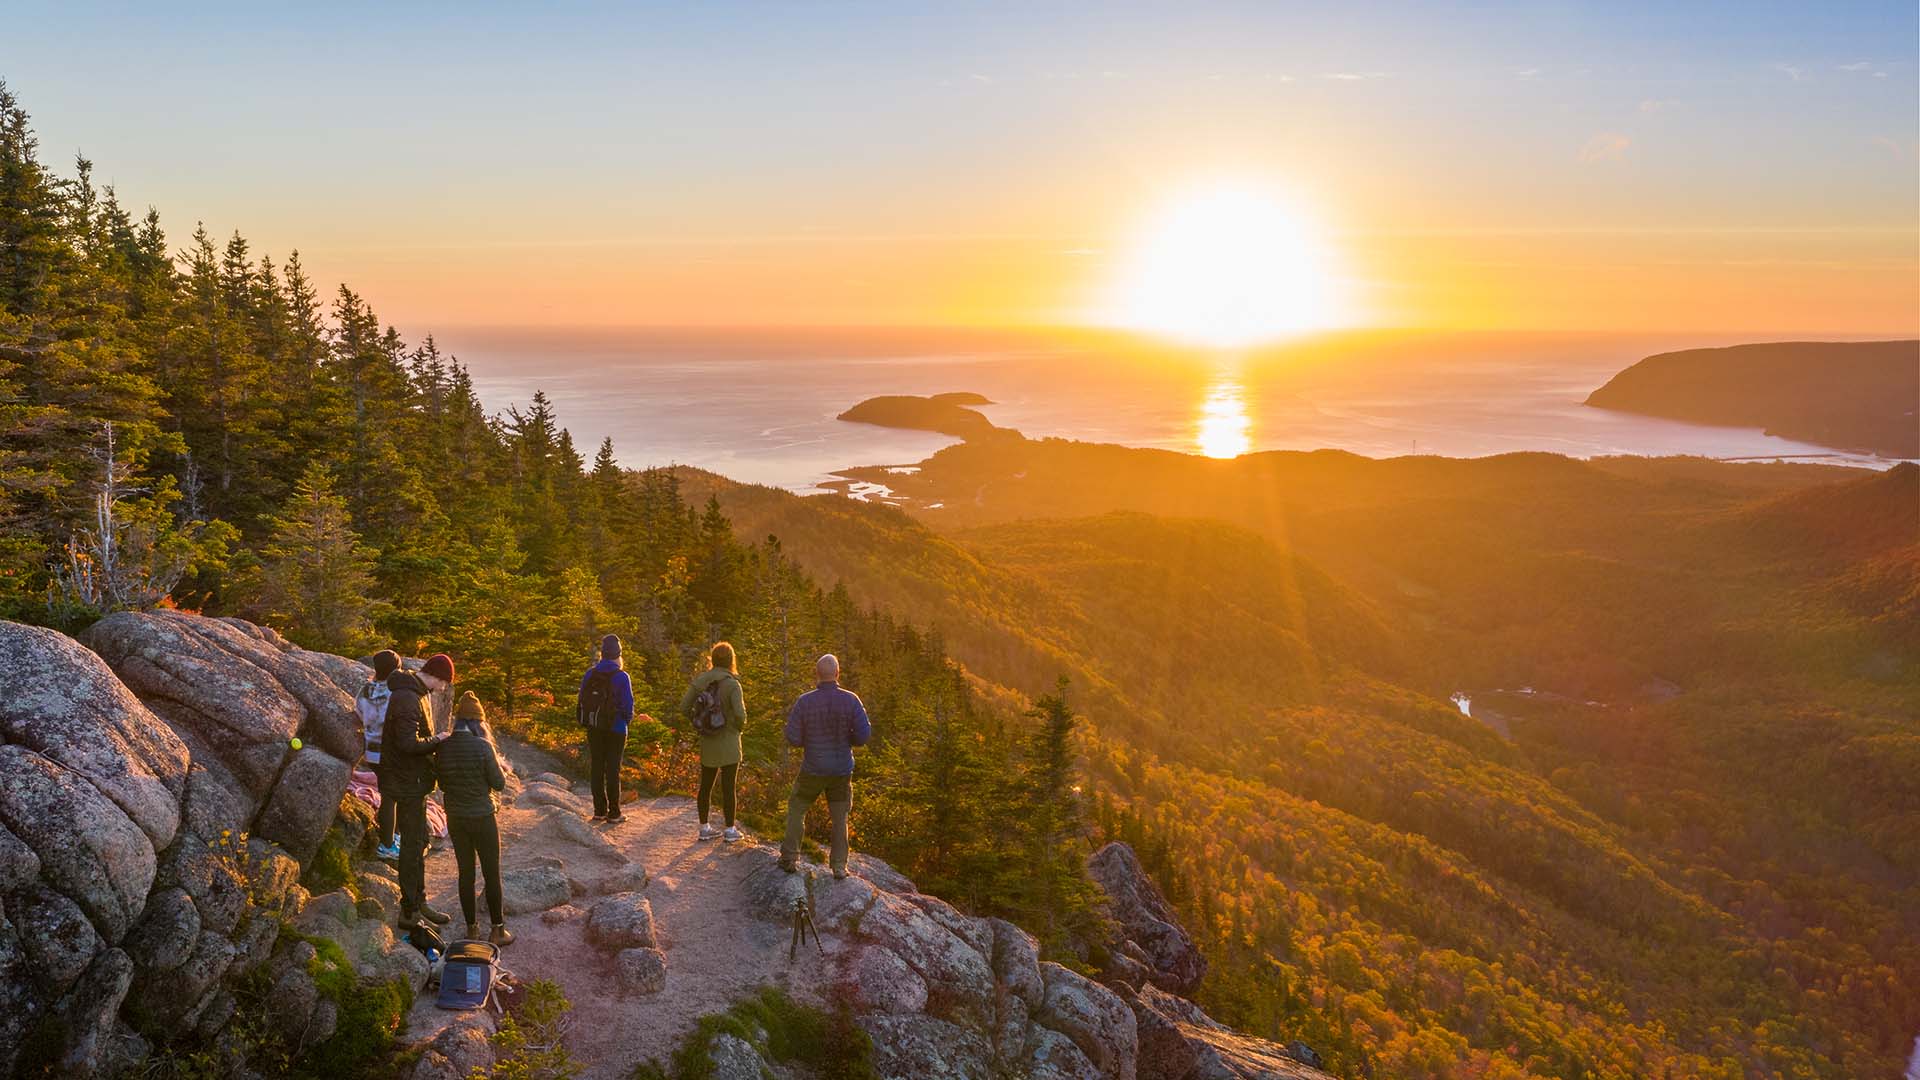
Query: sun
point(1226, 265)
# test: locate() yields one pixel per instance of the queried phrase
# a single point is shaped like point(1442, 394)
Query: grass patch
point(783, 1030)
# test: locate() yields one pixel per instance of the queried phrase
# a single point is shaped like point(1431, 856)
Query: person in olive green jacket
point(469, 770)
point(719, 750)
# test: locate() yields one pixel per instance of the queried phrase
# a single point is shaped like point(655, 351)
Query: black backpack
point(595, 708)
point(709, 708)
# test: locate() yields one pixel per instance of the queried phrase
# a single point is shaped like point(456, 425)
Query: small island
point(1853, 395)
point(948, 414)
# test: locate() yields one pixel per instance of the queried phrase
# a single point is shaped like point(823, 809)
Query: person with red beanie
point(407, 760)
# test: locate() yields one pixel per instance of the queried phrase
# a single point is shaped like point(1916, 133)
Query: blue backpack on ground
point(467, 974)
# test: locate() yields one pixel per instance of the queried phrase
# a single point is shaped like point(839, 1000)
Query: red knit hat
point(440, 666)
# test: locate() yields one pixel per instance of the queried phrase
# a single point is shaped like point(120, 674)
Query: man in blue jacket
point(826, 723)
point(605, 709)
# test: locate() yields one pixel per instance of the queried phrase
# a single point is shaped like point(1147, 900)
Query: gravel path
point(716, 952)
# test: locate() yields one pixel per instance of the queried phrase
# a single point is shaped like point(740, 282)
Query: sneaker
point(708, 832)
point(387, 852)
point(615, 819)
point(598, 815)
point(438, 918)
point(839, 875)
point(501, 936)
point(733, 833)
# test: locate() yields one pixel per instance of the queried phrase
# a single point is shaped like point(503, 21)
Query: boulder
point(642, 971)
point(629, 877)
point(622, 921)
point(167, 931)
point(735, 1058)
point(382, 891)
point(88, 848)
point(546, 795)
point(919, 1047)
point(218, 892)
point(65, 704)
point(533, 889)
point(554, 780)
point(304, 801)
point(952, 968)
point(557, 827)
point(348, 675)
point(882, 982)
point(171, 997)
point(229, 708)
point(884, 877)
point(1146, 919)
point(1016, 962)
point(838, 905)
point(1165, 1052)
point(290, 1004)
point(324, 1022)
point(1053, 1056)
point(21, 1002)
point(458, 1051)
point(975, 932)
point(59, 941)
point(565, 913)
point(1094, 1017)
point(18, 864)
point(769, 891)
point(92, 1014)
point(1179, 1041)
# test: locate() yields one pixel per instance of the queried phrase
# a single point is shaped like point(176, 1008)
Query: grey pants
point(839, 793)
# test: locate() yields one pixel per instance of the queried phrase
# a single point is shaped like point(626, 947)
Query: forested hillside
point(1676, 839)
point(198, 427)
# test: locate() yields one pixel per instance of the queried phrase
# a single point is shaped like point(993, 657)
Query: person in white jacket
point(371, 705)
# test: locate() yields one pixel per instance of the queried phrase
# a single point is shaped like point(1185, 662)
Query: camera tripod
point(802, 926)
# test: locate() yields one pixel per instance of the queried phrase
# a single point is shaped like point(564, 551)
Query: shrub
point(783, 1030)
point(529, 1044)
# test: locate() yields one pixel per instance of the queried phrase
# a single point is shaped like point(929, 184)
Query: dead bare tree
point(117, 565)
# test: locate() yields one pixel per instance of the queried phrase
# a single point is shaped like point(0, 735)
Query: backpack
point(595, 708)
point(371, 706)
point(467, 975)
point(710, 709)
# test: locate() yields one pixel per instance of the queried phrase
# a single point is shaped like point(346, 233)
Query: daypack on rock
point(467, 974)
point(371, 706)
point(595, 708)
point(709, 709)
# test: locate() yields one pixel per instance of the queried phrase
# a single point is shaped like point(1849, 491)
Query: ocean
point(759, 405)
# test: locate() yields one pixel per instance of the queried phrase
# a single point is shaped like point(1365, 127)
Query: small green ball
point(295, 743)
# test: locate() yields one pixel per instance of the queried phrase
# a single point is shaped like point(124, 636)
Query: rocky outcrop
point(945, 994)
point(1146, 921)
point(154, 813)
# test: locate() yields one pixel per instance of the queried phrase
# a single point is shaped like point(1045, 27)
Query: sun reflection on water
point(1223, 430)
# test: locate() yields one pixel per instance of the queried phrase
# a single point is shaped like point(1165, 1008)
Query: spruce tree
point(315, 581)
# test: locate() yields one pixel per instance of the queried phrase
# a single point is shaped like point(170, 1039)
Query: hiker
point(370, 704)
point(827, 722)
point(470, 775)
point(718, 710)
point(406, 758)
point(605, 708)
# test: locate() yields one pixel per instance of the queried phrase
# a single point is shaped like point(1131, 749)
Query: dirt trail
point(716, 951)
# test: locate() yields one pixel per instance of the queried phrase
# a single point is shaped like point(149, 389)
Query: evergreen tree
point(314, 581)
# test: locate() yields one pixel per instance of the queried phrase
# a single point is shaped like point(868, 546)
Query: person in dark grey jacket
point(827, 722)
point(470, 775)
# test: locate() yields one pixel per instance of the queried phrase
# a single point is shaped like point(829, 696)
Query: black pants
point(477, 838)
point(726, 774)
point(604, 750)
point(411, 813)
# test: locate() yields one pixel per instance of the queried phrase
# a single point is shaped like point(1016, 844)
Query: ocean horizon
point(760, 406)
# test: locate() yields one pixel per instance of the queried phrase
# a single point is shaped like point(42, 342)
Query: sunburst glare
point(1223, 430)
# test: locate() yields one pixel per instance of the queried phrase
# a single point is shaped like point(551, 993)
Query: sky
point(1560, 166)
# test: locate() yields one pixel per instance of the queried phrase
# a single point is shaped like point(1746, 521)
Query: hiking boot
point(789, 865)
point(410, 920)
point(438, 918)
point(733, 833)
point(840, 874)
point(473, 931)
point(708, 832)
point(501, 936)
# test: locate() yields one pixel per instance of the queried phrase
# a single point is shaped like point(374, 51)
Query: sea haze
point(760, 405)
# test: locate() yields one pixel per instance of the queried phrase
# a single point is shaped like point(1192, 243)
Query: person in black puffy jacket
point(469, 769)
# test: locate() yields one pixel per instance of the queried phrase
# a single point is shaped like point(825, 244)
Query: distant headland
point(948, 414)
point(1852, 395)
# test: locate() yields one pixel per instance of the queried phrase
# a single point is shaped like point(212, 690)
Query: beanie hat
point(440, 666)
point(610, 647)
point(469, 708)
point(385, 662)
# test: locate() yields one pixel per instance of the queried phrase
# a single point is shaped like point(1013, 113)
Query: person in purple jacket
point(827, 722)
point(605, 709)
